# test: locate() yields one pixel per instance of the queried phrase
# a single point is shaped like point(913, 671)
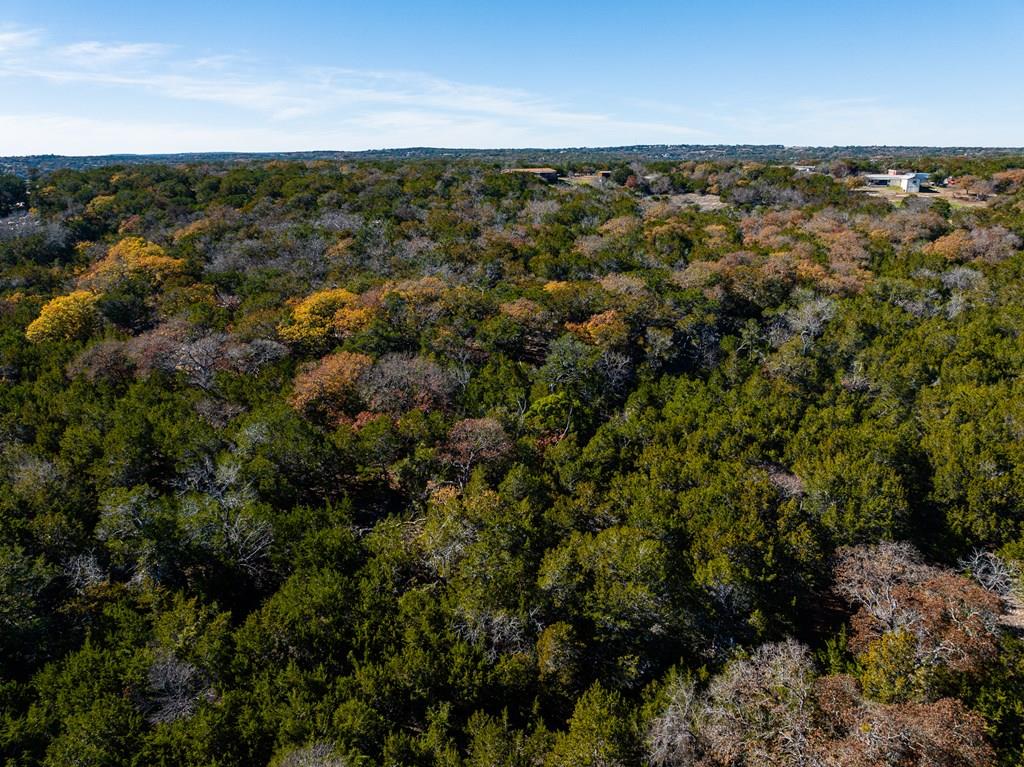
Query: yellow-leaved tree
point(130, 258)
point(325, 312)
point(65, 318)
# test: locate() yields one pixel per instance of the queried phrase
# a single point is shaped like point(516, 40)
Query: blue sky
point(104, 76)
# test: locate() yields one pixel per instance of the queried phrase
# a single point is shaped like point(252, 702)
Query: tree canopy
point(379, 462)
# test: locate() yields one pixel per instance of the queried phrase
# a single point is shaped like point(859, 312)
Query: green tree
point(600, 733)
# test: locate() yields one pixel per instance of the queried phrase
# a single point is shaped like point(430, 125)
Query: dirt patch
point(896, 195)
point(592, 179)
point(665, 205)
point(1013, 619)
point(702, 201)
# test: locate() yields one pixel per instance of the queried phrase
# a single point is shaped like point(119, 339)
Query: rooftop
point(530, 170)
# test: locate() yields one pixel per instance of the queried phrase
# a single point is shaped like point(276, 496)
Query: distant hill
point(763, 152)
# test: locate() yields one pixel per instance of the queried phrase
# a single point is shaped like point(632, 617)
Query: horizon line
point(612, 147)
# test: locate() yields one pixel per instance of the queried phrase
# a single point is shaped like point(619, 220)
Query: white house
point(908, 181)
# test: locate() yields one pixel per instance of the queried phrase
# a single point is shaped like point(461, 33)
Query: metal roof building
point(908, 182)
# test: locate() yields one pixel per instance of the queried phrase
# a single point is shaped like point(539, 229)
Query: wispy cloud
point(340, 107)
point(17, 38)
point(92, 53)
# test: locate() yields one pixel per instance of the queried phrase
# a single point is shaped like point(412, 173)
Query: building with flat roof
point(908, 181)
point(548, 174)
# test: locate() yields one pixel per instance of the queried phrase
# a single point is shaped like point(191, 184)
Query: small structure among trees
point(547, 174)
point(908, 181)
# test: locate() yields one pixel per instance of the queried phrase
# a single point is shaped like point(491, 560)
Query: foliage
point(65, 318)
point(416, 462)
point(130, 258)
point(322, 313)
point(13, 192)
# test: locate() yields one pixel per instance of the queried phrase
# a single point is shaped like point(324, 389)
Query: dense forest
point(311, 464)
point(881, 156)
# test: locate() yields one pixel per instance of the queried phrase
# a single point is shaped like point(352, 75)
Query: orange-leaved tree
point(328, 387)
